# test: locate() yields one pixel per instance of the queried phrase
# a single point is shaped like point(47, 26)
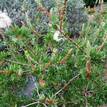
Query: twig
point(5, 72)
point(86, 102)
point(102, 45)
point(72, 79)
point(66, 57)
point(67, 37)
point(47, 66)
point(19, 63)
point(76, 44)
point(88, 69)
point(34, 104)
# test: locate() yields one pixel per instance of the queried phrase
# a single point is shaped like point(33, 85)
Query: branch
point(102, 45)
point(67, 37)
point(66, 57)
point(5, 72)
point(19, 63)
point(34, 104)
point(72, 79)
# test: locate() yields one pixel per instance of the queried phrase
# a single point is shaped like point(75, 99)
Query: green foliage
point(53, 65)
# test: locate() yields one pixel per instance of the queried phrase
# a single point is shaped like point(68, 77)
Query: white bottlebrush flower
point(57, 36)
point(5, 20)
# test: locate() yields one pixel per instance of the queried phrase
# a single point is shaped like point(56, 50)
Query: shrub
point(26, 11)
point(58, 73)
point(48, 4)
point(75, 16)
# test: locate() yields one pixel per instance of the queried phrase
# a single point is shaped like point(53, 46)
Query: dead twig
point(47, 66)
point(69, 82)
point(34, 103)
point(63, 61)
point(5, 72)
point(88, 69)
point(19, 63)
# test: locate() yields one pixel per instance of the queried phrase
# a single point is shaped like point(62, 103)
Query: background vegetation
point(36, 70)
